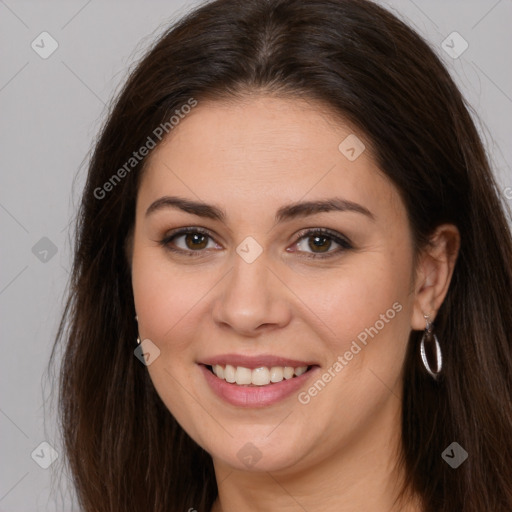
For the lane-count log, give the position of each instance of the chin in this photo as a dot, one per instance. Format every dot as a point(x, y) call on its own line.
point(247, 453)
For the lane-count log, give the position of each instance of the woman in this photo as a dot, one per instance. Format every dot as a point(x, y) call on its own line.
point(294, 262)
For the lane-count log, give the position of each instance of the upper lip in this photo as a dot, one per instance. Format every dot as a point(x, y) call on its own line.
point(252, 362)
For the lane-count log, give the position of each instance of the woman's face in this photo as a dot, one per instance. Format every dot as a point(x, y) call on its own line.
point(256, 290)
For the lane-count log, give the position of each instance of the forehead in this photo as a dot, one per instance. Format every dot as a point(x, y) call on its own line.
point(264, 151)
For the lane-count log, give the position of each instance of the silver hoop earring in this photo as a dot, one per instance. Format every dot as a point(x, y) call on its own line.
point(439, 356)
point(138, 337)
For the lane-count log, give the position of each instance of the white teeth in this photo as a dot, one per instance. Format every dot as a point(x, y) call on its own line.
point(288, 372)
point(300, 370)
point(261, 376)
point(243, 375)
point(229, 373)
point(219, 371)
point(276, 374)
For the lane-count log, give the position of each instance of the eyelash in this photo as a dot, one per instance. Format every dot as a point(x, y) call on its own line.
point(327, 233)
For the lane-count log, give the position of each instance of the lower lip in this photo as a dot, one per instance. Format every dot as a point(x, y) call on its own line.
point(255, 396)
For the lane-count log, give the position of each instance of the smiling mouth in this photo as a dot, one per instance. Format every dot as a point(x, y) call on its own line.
point(262, 376)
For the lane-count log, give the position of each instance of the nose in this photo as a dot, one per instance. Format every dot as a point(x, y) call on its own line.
point(251, 298)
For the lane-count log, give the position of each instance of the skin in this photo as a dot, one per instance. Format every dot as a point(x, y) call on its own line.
point(250, 157)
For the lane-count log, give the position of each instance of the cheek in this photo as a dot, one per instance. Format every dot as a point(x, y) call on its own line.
point(366, 310)
point(164, 297)
point(365, 326)
point(164, 301)
point(352, 300)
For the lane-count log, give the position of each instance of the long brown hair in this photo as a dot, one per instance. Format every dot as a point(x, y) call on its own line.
point(124, 449)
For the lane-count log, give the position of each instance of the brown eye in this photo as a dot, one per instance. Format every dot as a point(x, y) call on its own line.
point(195, 240)
point(319, 241)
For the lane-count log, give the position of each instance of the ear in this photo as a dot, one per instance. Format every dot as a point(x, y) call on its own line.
point(434, 273)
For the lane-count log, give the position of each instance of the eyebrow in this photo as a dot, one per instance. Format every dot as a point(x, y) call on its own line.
point(285, 213)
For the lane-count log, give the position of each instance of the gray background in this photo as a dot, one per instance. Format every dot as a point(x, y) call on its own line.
point(51, 110)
